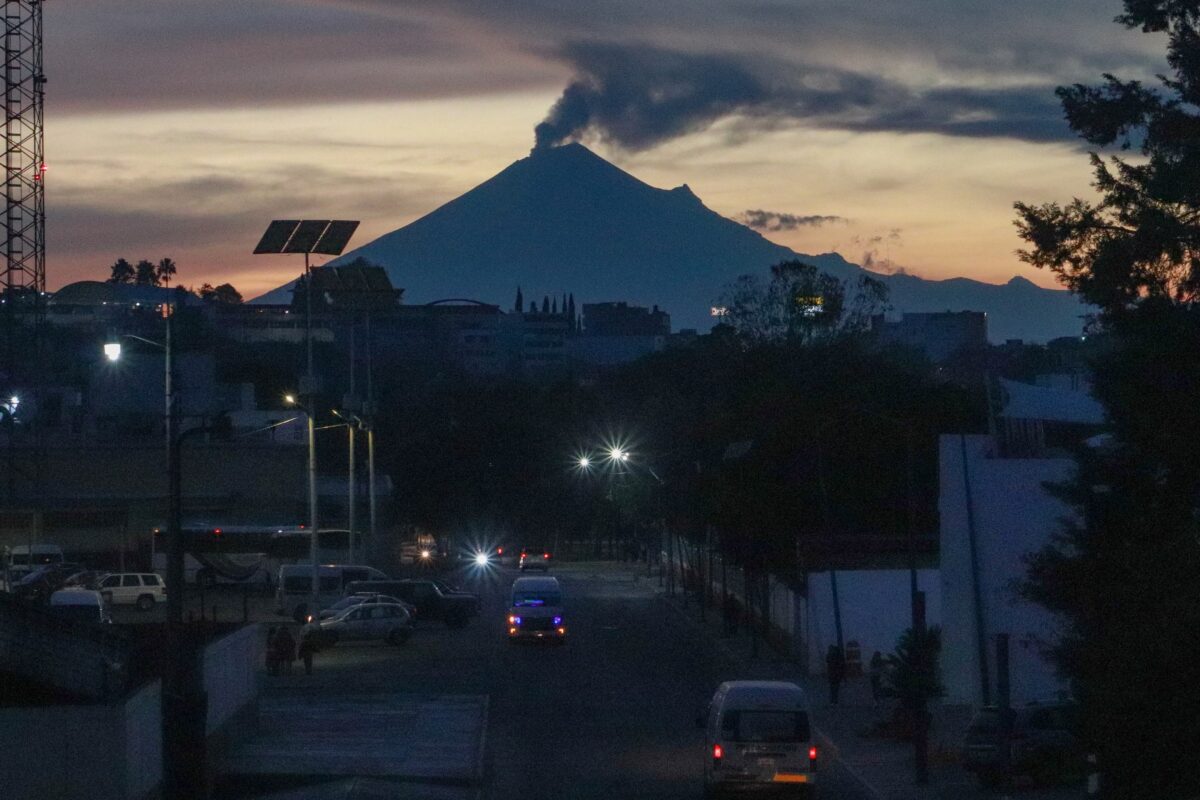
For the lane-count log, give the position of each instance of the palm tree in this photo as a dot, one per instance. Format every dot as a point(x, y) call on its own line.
point(165, 270)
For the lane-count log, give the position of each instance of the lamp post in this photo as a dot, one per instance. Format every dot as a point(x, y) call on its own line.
point(183, 703)
point(352, 423)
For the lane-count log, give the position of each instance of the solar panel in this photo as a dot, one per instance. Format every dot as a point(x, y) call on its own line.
point(337, 235)
point(276, 236)
point(308, 232)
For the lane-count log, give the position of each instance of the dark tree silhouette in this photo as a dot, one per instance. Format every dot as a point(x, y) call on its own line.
point(223, 293)
point(121, 272)
point(164, 271)
point(146, 273)
point(1122, 574)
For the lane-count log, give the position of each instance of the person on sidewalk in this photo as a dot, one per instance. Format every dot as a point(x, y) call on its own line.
point(285, 649)
point(835, 671)
point(308, 648)
point(876, 673)
point(272, 651)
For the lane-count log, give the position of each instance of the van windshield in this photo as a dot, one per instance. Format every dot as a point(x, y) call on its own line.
point(766, 726)
point(535, 599)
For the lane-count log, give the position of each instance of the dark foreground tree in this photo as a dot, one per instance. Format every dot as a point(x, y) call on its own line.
point(800, 304)
point(223, 293)
point(121, 272)
point(1122, 575)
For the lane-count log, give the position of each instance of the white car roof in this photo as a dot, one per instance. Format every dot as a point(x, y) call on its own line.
point(762, 694)
point(534, 584)
point(76, 597)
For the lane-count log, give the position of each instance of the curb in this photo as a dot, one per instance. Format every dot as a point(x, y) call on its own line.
point(824, 742)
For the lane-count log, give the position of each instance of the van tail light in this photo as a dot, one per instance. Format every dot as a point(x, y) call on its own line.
point(546, 555)
point(718, 754)
point(812, 754)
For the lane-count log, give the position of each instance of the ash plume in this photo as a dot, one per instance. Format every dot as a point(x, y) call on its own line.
point(637, 96)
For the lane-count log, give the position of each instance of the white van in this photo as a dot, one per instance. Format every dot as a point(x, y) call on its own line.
point(536, 611)
point(20, 564)
point(293, 591)
point(758, 736)
point(81, 605)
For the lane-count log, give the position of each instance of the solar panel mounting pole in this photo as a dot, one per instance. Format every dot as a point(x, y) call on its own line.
point(313, 551)
point(309, 236)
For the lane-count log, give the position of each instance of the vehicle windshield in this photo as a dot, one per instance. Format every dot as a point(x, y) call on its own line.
point(534, 599)
point(766, 726)
point(346, 602)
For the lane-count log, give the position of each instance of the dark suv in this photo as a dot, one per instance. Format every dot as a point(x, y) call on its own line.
point(1042, 743)
point(434, 600)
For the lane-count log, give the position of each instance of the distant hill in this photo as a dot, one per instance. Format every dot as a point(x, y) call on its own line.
point(565, 220)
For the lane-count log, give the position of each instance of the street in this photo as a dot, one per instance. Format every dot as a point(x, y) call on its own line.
point(610, 715)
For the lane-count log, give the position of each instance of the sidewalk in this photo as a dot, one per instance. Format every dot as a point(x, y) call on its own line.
point(884, 767)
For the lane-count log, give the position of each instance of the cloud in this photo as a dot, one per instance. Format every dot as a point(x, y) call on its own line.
point(638, 96)
point(761, 220)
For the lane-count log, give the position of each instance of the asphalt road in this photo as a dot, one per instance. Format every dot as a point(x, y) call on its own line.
point(609, 715)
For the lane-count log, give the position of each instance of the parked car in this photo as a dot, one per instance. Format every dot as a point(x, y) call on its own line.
point(1041, 744)
point(293, 591)
point(534, 559)
point(80, 605)
point(84, 579)
point(432, 603)
point(365, 622)
point(37, 586)
point(364, 597)
point(141, 589)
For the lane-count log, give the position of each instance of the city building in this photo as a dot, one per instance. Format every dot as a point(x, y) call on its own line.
point(939, 335)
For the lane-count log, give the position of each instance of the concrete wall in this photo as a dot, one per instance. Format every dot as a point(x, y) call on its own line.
point(876, 609)
point(1013, 515)
point(875, 606)
point(69, 752)
point(231, 669)
point(114, 751)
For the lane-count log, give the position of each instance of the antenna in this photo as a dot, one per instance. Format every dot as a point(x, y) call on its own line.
point(24, 155)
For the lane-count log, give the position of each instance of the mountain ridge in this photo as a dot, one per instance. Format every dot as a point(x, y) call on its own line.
point(564, 219)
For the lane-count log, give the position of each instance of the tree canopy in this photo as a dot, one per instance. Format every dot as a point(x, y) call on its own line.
point(1122, 573)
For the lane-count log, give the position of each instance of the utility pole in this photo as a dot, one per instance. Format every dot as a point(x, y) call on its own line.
point(311, 401)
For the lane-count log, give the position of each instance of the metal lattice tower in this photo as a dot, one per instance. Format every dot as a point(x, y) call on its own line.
point(24, 156)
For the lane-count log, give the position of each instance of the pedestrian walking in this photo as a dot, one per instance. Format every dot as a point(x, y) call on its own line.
point(308, 648)
point(835, 671)
point(272, 651)
point(876, 673)
point(285, 649)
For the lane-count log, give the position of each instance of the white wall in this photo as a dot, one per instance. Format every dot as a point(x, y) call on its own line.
point(876, 608)
point(1013, 515)
point(65, 752)
point(231, 669)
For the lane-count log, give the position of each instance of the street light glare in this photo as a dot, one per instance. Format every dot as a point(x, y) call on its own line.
point(112, 351)
point(585, 462)
point(290, 399)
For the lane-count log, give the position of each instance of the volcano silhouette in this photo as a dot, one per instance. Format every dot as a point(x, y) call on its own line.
point(565, 220)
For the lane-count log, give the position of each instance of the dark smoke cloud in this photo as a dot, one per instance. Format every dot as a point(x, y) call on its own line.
point(761, 220)
point(637, 96)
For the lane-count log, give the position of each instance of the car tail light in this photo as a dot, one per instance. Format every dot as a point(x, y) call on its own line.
point(546, 556)
point(718, 754)
point(812, 754)
point(499, 551)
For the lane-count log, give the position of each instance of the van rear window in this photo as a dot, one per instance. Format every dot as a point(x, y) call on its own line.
point(765, 726)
